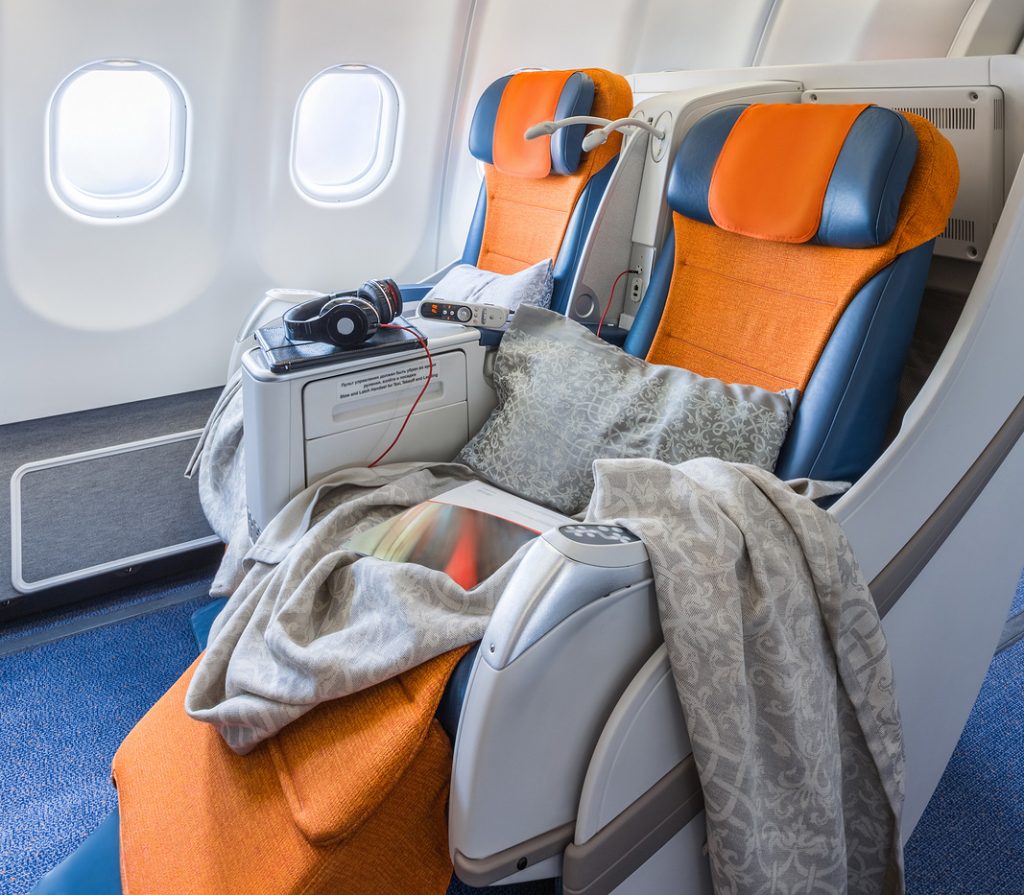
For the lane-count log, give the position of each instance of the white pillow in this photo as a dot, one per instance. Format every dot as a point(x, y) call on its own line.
point(467, 283)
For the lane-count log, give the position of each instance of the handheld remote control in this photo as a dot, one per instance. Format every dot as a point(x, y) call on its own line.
point(466, 313)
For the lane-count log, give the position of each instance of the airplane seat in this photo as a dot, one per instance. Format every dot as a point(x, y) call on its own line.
point(539, 197)
point(802, 235)
point(821, 298)
point(853, 330)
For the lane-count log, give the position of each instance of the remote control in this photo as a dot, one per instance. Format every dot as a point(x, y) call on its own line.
point(466, 313)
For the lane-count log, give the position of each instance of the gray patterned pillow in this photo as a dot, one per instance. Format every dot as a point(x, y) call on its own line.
point(464, 282)
point(566, 398)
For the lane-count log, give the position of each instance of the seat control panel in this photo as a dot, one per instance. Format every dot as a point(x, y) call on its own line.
point(466, 313)
point(598, 544)
point(589, 533)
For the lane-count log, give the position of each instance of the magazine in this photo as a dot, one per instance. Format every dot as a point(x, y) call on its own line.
point(468, 532)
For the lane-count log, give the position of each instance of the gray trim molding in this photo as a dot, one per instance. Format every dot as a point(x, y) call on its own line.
point(892, 582)
point(484, 871)
point(612, 855)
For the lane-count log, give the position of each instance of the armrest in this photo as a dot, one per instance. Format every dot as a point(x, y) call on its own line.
point(569, 568)
point(576, 622)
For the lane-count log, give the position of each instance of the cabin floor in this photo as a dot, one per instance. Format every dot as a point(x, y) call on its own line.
point(73, 683)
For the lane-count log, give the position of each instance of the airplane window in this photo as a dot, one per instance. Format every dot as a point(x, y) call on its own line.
point(117, 139)
point(343, 142)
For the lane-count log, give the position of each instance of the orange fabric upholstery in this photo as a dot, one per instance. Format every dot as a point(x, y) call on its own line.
point(350, 798)
point(525, 102)
point(770, 179)
point(760, 313)
point(527, 218)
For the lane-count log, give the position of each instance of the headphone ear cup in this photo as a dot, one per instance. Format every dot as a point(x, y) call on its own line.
point(350, 323)
point(385, 296)
point(394, 296)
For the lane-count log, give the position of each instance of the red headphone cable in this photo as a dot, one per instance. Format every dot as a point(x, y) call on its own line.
point(611, 295)
point(423, 391)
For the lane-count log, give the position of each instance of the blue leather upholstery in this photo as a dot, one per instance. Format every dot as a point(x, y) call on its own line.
point(94, 868)
point(475, 237)
point(690, 178)
point(645, 325)
point(576, 235)
point(576, 98)
point(862, 201)
point(202, 620)
point(844, 413)
point(481, 129)
point(449, 709)
point(863, 197)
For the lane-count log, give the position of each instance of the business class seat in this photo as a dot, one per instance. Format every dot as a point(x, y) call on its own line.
point(539, 197)
point(831, 315)
point(802, 239)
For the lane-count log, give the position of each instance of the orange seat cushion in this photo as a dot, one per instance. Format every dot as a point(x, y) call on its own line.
point(352, 798)
point(526, 218)
point(771, 176)
point(760, 313)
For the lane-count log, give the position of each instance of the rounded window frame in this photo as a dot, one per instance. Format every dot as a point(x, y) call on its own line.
point(125, 207)
point(378, 171)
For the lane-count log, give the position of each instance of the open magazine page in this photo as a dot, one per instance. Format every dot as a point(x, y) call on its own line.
point(468, 532)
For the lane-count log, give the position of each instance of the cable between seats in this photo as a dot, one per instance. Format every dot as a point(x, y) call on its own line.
point(611, 295)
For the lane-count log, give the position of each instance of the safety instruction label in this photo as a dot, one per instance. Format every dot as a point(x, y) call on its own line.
point(374, 382)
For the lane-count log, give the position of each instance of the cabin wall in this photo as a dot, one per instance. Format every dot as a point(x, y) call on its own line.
point(100, 315)
point(107, 313)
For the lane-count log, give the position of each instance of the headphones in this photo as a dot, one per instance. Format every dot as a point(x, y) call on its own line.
point(345, 319)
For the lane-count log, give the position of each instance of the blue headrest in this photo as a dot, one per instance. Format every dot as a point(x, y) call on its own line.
point(862, 201)
point(576, 98)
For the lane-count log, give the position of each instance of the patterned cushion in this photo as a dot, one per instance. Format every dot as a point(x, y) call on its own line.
point(567, 398)
point(464, 282)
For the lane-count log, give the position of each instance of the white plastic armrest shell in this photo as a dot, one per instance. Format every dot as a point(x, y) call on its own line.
point(575, 624)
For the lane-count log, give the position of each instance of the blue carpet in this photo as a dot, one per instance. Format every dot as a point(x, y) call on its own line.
point(1018, 599)
point(970, 840)
point(64, 709)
